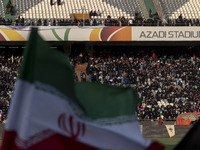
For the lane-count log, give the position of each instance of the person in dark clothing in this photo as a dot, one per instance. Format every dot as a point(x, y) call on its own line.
point(22, 21)
point(7, 8)
point(51, 2)
point(58, 2)
point(150, 12)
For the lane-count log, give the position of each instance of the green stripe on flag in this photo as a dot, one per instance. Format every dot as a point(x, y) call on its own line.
point(103, 101)
point(46, 65)
point(26, 70)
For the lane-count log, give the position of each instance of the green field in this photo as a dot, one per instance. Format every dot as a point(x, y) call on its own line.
point(169, 143)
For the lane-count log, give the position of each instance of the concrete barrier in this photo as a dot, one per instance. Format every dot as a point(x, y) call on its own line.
point(156, 131)
point(181, 130)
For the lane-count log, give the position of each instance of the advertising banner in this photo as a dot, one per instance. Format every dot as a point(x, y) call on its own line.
point(127, 33)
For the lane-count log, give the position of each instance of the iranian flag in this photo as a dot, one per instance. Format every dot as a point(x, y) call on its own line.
point(50, 111)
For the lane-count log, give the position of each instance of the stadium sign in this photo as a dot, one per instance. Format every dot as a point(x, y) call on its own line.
point(167, 34)
point(170, 34)
point(101, 33)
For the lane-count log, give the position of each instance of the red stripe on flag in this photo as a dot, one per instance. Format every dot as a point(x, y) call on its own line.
point(57, 141)
point(156, 146)
point(9, 141)
point(61, 142)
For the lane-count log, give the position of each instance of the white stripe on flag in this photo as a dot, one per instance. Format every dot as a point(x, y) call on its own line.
point(36, 111)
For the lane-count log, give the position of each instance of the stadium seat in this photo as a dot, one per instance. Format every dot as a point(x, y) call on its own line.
point(43, 9)
point(190, 9)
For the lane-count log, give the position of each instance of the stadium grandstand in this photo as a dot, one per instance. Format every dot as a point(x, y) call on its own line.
point(189, 9)
point(100, 12)
point(44, 10)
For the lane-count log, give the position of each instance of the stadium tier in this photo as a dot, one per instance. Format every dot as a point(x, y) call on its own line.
point(45, 10)
point(166, 78)
point(100, 12)
point(189, 9)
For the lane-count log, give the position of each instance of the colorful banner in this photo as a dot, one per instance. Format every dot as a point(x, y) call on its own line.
point(128, 33)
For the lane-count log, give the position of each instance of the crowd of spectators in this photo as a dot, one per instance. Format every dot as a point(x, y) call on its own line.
point(121, 21)
point(166, 80)
point(94, 13)
point(168, 83)
point(96, 20)
point(10, 22)
point(138, 20)
point(9, 64)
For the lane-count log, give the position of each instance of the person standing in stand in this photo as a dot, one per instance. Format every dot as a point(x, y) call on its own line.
point(51, 2)
point(160, 122)
point(150, 13)
point(58, 2)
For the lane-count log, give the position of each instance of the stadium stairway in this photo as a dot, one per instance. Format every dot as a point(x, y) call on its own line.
point(144, 9)
point(8, 16)
point(150, 5)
